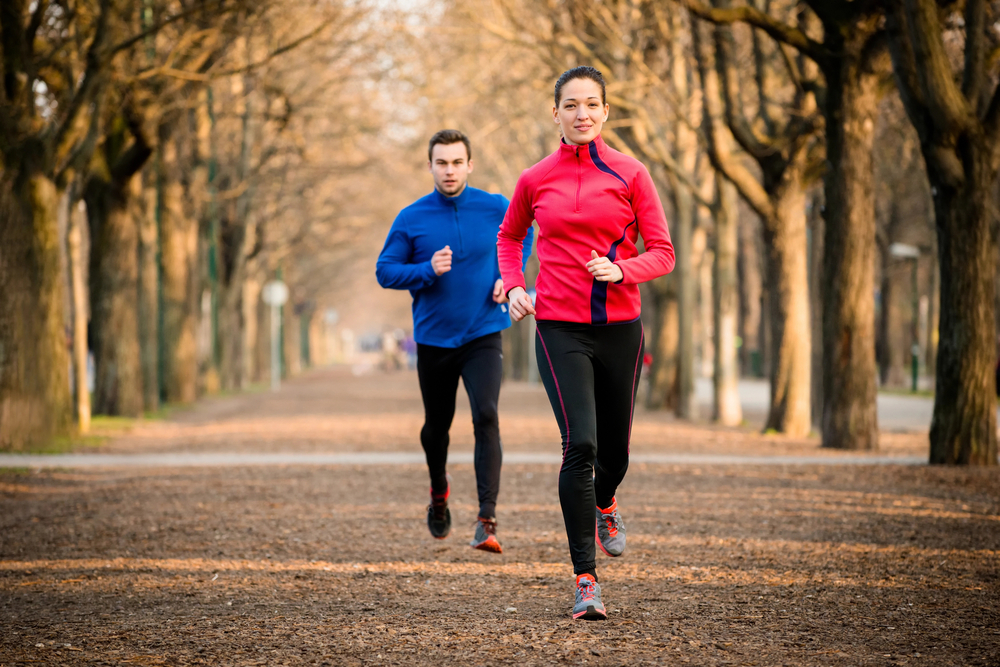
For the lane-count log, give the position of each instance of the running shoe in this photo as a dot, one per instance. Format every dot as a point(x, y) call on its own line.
point(610, 530)
point(485, 538)
point(438, 514)
point(588, 600)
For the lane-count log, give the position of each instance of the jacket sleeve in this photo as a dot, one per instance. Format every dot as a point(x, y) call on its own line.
point(394, 269)
point(513, 241)
point(658, 259)
point(526, 247)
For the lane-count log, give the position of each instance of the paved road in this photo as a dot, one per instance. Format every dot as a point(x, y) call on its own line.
point(197, 459)
point(895, 412)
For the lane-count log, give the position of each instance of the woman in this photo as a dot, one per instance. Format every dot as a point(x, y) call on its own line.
point(591, 204)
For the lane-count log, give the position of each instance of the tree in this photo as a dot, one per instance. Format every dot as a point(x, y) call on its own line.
point(784, 150)
point(51, 65)
point(957, 117)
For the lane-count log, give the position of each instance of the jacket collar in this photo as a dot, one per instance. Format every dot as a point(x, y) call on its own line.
point(597, 143)
point(460, 200)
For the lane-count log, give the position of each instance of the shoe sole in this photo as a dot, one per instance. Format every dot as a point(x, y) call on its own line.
point(592, 614)
point(491, 547)
point(597, 538)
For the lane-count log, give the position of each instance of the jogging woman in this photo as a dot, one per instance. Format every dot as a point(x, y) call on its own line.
point(591, 204)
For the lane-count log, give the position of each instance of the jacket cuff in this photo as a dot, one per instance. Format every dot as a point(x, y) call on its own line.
point(519, 283)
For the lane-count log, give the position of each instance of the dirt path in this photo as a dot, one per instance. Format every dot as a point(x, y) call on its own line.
point(798, 564)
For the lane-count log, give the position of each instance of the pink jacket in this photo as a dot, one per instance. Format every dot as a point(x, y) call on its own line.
point(586, 198)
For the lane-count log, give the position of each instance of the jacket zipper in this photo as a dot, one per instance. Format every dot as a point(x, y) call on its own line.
point(458, 228)
point(579, 178)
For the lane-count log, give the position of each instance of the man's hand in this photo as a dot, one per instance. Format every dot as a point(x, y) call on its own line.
point(604, 269)
point(498, 293)
point(520, 304)
point(441, 261)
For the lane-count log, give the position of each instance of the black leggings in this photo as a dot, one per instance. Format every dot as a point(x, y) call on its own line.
point(480, 365)
point(591, 374)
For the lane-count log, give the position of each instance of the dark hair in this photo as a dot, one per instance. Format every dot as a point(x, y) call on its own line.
point(447, 137)
point(583, 72)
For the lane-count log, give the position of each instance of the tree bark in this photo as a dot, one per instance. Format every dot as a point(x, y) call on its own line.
point(178, 256)
point(684, 212)
point(80, 311)
point(662, 392)
point(850, 415)
point(114, 291)
point(147, 203)
point(788, 287)
point(964, 428)
point(750, 284)
point(725, 307)
point(35, 401)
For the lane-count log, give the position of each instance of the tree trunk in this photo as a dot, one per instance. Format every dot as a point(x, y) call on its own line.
point(686, 155)
point(725, 306)
point(149, 289)
point(750, 285)
point(815, 238)
point(963, 428)
point(788, 287)
point(178, 256)
point(850, 415)
point(662, 391)
point(114, 279)
point(79, 299)
point(35, 401)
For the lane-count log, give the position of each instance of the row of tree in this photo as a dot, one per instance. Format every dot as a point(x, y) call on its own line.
point(158, 161)
point(788, 107)
point(217, 144)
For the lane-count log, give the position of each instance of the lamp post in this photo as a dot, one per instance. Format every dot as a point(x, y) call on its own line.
point(275, 294)
point(905, 251)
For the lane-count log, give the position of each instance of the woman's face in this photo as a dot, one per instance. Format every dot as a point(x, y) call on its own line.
point(580, 114)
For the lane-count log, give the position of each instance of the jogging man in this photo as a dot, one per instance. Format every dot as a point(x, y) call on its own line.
point(442, 248)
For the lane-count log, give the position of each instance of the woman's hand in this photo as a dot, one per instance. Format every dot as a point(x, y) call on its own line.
point(604, 269)
point(520, 304)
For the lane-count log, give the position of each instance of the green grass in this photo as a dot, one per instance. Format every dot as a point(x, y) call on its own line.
point(899, 391)
point(15, 472)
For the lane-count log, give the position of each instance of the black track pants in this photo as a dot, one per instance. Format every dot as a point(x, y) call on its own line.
point(591, 374)
point(480, 365)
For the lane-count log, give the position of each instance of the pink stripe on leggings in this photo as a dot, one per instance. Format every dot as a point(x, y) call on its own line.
point(635, 376)
point(559, 393)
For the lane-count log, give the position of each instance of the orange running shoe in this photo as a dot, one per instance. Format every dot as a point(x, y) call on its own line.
point(610, 530)
point(438, 514)
point(588, 600)
point(486, 536)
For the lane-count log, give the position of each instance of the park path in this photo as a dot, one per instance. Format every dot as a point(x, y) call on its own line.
point(744, 549)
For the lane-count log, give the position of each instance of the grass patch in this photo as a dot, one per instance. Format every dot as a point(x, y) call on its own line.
point(15, 472)
point(68, 443)
point(899, 391)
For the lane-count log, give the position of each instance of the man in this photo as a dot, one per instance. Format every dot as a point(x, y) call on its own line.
point(443, 249)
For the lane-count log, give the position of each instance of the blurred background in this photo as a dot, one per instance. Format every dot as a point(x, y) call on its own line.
point(163, 160)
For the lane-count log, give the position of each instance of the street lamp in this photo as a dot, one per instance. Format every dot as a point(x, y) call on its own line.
point(906, 251)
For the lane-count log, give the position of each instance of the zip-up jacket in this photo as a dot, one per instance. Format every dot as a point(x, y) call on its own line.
point(586, 198)
point(456, 307)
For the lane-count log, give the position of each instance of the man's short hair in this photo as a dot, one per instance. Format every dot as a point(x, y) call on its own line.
point(446, 138)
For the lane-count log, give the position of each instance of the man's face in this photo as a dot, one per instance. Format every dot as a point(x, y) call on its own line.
point(451, 166)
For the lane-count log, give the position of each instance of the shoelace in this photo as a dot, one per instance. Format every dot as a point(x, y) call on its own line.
point(612, 521)
point(586, 588)
point(439, 506)
point(489, 526)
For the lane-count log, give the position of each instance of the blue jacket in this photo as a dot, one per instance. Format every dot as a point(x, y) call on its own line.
point(456, 307)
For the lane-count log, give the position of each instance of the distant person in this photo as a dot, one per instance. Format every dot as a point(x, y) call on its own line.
point(591, 204)
point(443, 249)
